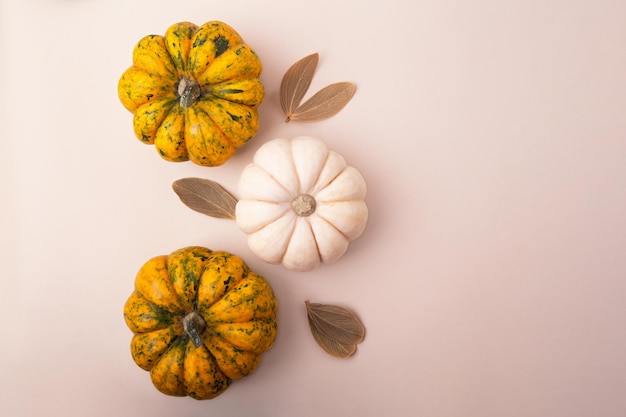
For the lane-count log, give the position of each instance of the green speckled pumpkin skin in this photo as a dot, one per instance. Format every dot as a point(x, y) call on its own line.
point(194, 92)
point(235, 310)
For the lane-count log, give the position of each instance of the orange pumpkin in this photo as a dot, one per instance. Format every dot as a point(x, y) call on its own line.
point(200, 319)
point(194, 92)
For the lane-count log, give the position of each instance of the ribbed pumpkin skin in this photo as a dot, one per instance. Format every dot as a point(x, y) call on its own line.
point(300, 203)
point(237, 309)
point(194, 92)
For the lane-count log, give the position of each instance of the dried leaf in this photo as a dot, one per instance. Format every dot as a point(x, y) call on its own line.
point(336, 329)
point(325, 103)
point(206, 196)
point(296, 82)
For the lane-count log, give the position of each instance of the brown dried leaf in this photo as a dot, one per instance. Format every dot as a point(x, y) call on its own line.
point(325, 103)
point(336, 329)
point(206, 196)
point(296, 82)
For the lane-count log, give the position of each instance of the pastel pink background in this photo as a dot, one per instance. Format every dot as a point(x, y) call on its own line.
point(491, 277)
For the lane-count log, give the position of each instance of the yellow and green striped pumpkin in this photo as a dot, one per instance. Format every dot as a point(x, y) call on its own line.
point(200, 319)
point(194, 92)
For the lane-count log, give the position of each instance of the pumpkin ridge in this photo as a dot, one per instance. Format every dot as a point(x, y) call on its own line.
point(288, 239)
point(307, 164)
point(340, 200)
point(143, 316)
point(322, 218)
point(265, 178)
point(219, 349)
point(229, 89)
point(338, 208)
point(178, 40)
point(151, 55)
point(316, 240)
point(348, 186)
point(233, 306)
point(143, 117)
point(211, 146)
point(203, 308)
point(218, 36)
point(204, 98)
point(313, 190)
point(203, 373)
point(137, 86)
point(168, 141)
point(280, 184)
point(268, 220)
point(185, 268)
point(237, 121)
point(291, 239)
point(161, 378)
point(156, 288)
point(320, 187)
point(294, 168)
point(147, 348)
point(236, 63)
point(257, 241)
point(181, 302)
point(255, 329)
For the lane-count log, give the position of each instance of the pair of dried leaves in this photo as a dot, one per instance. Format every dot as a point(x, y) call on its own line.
point(336, 329)
point(324, 104)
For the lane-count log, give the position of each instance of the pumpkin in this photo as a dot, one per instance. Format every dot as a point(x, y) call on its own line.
point(194, 92)
point(200, 319)
point(300, 204)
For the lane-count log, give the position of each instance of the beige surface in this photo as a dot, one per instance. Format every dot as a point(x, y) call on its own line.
point(491, 278)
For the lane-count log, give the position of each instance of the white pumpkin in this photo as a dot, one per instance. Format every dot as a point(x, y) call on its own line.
point(300, 203)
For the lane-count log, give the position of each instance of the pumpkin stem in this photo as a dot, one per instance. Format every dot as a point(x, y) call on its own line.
point(194, 325)
point(188, 91)
point(304, 205)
